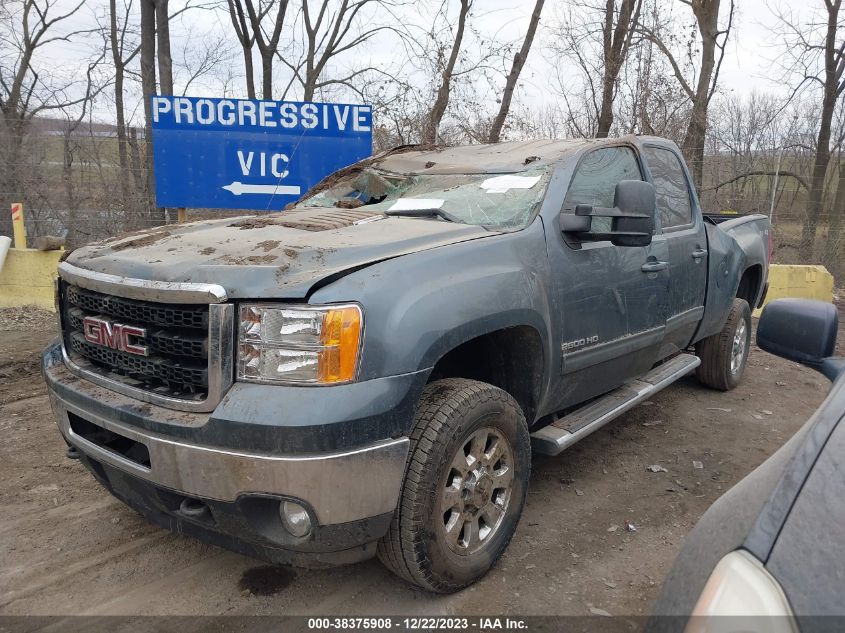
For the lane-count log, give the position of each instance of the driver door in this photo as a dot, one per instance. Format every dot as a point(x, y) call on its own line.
point(611, 301)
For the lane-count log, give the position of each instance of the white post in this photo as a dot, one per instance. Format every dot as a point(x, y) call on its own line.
point(5, 245)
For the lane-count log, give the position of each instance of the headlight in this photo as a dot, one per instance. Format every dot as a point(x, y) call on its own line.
point(299, 344)
point(741, 586)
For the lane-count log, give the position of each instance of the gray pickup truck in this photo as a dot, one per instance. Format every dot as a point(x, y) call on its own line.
point(367, 372)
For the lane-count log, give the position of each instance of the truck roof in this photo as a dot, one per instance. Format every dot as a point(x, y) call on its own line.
point(514, 156)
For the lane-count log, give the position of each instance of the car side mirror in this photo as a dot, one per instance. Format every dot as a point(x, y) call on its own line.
point(632, 216)
point(803, 331)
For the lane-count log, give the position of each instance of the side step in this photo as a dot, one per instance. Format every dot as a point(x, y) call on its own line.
point(564, 432)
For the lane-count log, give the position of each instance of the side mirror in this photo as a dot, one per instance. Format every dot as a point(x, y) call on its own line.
point(632, 216)
point(803, 331)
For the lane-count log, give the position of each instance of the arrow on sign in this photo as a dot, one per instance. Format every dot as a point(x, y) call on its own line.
point(238, 188)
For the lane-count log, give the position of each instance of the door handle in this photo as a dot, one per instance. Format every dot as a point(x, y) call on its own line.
point(653, 267)
point(699, 253)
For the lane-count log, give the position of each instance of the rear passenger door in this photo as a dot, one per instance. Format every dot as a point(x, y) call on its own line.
point(683, 228)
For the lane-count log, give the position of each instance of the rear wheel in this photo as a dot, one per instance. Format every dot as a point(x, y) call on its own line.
point(724, 355)
point(464, 489)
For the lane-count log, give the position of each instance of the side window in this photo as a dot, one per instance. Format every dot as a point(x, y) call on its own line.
point(595, 178)
point(670, 187)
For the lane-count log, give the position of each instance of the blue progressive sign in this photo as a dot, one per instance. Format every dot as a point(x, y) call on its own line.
point(245, 154)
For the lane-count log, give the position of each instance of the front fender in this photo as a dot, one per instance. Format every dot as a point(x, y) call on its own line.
point(420, 306)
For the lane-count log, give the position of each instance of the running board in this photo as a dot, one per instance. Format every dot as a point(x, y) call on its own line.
point(564, 432)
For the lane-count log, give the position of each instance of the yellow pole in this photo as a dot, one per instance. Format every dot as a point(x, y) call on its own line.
point(18, 225)
point(181, 215)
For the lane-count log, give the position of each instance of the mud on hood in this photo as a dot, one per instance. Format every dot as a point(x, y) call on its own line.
point(279, 255)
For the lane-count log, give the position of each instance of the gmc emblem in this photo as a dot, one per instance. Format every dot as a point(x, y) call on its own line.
point(114, 335)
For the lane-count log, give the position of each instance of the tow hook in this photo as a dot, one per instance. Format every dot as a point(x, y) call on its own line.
point(72, 453)
point(194, 508)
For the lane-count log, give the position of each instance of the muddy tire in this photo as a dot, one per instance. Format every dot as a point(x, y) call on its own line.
point(464, 489)
point(724, 355)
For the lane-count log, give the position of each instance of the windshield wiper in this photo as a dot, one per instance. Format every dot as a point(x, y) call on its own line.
point(422, 213)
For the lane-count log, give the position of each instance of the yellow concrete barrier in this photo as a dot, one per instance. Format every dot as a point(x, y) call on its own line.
point(27, 278)
point(803, 282)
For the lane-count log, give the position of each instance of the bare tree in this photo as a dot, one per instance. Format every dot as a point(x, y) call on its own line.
point(616, 42)
point(210, 58)
point(651, 102)
point(123, 51)
point(328, 31)
point(70, 146)
point(835, 243)
point(249, 18)
point(815, 55)
point(435, 75)
point(155, 50)
point(700, 91)
point(28, 26)
point(165, 59)
point(441, 100)
point(513, 76)
point(148, 89)
point(246, 40)
point(597, 38)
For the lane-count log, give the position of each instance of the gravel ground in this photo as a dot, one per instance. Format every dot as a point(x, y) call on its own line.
point(70, 548)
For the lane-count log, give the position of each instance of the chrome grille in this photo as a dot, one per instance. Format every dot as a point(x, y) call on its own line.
point(159, 340)
point(189, 316)
point(177, 339)
point(169, 372)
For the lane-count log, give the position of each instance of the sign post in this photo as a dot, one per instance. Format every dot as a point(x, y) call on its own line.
point(18, 226)
point(248, 154)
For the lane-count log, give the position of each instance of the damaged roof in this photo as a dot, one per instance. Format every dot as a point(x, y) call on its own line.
point(508, 157)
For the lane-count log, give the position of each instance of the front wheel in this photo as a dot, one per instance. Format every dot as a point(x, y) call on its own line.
point(724, 355)
point(464, 489)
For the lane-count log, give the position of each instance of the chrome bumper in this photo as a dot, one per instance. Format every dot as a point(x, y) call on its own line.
point(339, 487)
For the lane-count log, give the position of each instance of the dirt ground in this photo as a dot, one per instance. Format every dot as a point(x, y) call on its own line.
point(67, 547)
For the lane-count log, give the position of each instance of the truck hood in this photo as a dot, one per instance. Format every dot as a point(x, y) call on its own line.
point(279, 255)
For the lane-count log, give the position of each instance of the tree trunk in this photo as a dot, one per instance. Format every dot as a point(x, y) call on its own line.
point(120, 117)
point(165, 60)
point(267, 75)
point(138, 212)
point(616, 44)
point(441, 101)
point(815, 199)
point(250, 80)
point(73, 219)
point(834, 246)
point(707, 17)
point(513, 76)
point(267, 46)
point(148, 88)
point(239, 23)
point(833, 72)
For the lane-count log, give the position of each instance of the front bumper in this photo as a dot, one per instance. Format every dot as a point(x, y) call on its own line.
point(350, 493)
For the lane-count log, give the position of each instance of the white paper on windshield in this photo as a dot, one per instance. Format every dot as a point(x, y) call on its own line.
point(501, 184)
point(416, 204)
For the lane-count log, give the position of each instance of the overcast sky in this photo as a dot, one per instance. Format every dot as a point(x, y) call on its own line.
point(747, 66)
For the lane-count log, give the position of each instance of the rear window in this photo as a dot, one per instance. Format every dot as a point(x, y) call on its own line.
point(670, 187)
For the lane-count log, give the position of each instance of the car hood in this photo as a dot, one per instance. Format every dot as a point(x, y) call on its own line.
point(278, 255)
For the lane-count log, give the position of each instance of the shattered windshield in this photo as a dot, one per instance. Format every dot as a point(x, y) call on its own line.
point(499, 201)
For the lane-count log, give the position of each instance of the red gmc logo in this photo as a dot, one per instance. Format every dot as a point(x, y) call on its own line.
point(114, 335)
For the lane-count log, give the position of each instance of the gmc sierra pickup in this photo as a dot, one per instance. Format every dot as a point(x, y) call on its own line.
point(367, 372)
